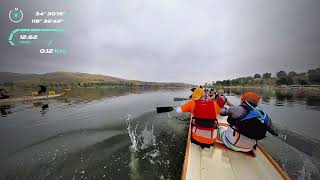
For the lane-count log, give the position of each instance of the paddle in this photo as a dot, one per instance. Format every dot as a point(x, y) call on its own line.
point(164, 109)
point(180, 99)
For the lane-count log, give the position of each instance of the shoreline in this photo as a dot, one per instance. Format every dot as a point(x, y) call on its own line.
point(313, 87)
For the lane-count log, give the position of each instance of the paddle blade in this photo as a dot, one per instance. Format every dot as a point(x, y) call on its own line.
point(179, 99)
point(164, 109)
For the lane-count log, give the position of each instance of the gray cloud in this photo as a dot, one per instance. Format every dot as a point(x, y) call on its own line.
point(175, 40)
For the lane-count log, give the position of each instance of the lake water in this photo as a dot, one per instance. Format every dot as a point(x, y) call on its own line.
point(116, 134)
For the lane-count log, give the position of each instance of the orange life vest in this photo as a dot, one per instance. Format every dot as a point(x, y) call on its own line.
point(204, 123)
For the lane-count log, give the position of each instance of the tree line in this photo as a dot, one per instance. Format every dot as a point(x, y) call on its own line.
point(312, 77)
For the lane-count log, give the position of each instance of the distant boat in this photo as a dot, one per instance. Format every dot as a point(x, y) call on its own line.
point(30, 98)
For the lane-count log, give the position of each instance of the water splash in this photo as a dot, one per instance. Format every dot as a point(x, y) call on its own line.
point(140, 140)
point(143, 139)
point(169, 116)
point(147, 136)
point(132, 134)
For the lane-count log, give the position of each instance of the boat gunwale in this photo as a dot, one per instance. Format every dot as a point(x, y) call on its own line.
point(186, 157)
point(283, 174)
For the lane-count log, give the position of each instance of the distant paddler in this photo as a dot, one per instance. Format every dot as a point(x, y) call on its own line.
point(4, 94)
point(42, 90)
point(221, 99)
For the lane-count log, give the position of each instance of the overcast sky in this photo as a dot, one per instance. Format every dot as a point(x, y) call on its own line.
point(172, 40)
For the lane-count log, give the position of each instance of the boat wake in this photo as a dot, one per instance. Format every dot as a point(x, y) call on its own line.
point(308, 169)
point(301, 162)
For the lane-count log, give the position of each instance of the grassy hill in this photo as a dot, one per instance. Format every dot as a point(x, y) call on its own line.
point(74, 79)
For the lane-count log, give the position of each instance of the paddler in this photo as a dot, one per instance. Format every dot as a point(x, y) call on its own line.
point(4, 94)
point(192, 90)
point(204, 123)
point(42, 89)
point(221, 99)
point(211, 95)
point(247, 124)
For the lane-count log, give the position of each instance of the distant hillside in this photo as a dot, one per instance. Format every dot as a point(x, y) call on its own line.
point(72, 79)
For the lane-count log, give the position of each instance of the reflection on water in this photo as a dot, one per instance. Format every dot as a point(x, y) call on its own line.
point(283, 97)
point(94, 94)
point(93, 134)
point(313, 101)
point(5, 110)
point(116, 134)
point(42, 105)
point(80, 96)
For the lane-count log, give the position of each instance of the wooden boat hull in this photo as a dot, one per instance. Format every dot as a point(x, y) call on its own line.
point(221, 163)
point(28, 98)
